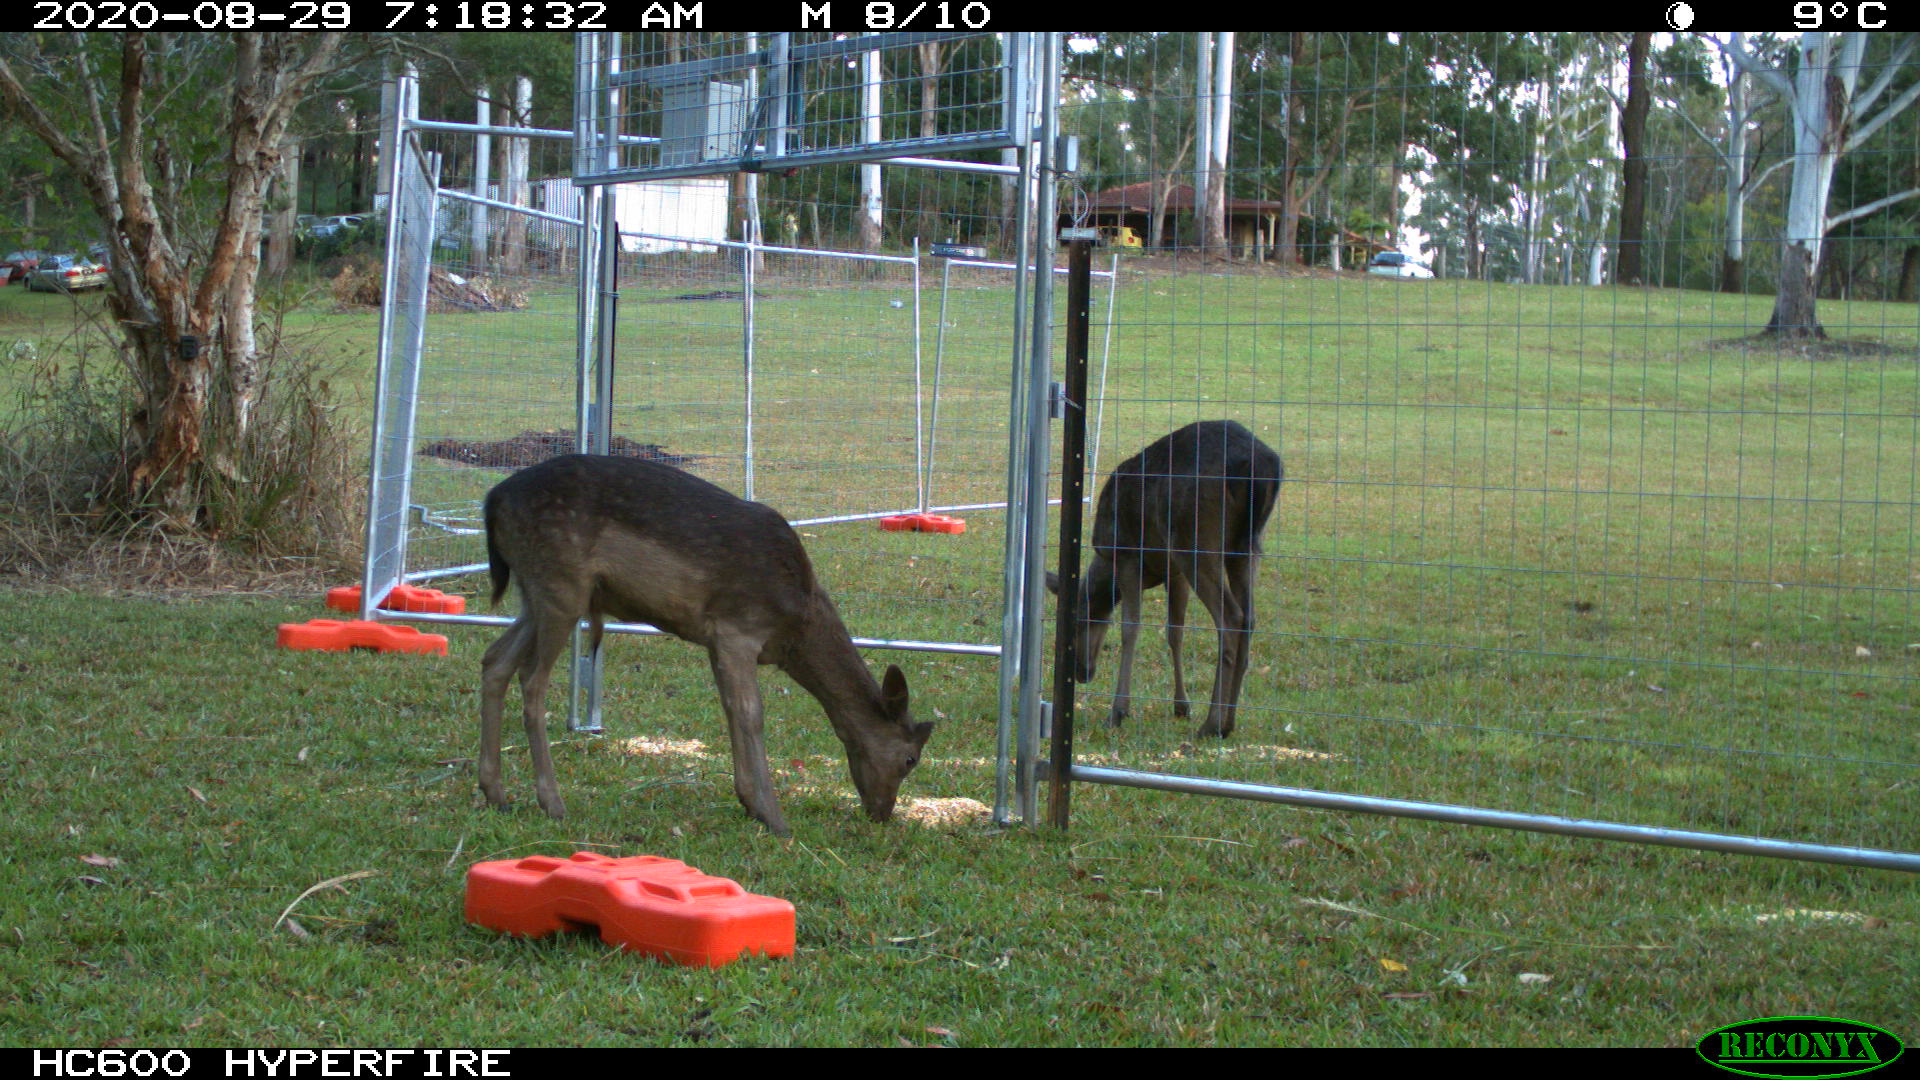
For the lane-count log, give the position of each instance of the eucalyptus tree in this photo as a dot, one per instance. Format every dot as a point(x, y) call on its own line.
point(1837, 90)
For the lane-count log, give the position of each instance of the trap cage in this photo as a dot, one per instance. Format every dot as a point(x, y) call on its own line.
point(1551, 553)
point(639, 284)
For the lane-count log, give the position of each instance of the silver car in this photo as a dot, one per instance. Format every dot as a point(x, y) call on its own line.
point(67, 273)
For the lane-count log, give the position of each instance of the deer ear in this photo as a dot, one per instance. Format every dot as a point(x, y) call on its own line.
point(893, 692)
point(1053, 583)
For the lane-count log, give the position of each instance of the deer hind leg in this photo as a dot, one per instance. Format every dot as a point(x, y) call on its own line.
point(502, 659)
point(1242, 572)
point(551, 634)
point(1127, 580)
point(735, 663)
point(1211, 582)
point(1176, 636)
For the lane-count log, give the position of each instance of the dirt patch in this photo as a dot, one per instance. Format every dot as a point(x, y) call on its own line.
point(1816, 348)
point(533, 447)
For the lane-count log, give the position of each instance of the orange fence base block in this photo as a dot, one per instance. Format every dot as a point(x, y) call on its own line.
point(333, 635)
point(646, 904)
point(933, 523)
point(400, 598)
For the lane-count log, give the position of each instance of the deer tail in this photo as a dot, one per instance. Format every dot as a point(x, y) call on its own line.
point(497, 567)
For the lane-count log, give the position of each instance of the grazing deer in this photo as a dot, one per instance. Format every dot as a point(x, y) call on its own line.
point(1186, 511)
point(613, 537)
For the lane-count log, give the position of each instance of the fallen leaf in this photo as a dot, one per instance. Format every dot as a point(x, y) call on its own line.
point(91, 881)
point(1534, 978)
point(1862, 652)
point(105, 862)
point(940, 1031)
point(195, 792)
point(1392, 965)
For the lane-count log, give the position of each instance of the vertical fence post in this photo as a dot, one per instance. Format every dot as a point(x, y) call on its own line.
point(1073, 477)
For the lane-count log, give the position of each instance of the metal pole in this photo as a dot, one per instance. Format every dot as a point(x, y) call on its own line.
point(1503, 819)
point(1013, 573)
point(939, 359)
point(1073, 476)
point(1038, 392)
point(1106, 354)
point(919, 429)
point(748, 256)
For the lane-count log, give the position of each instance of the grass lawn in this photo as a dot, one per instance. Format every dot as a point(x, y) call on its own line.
point(1551, 549)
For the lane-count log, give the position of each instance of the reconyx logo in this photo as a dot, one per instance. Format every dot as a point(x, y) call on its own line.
point(1799, 1047)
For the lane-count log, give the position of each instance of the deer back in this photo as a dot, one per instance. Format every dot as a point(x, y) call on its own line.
point(1208, 487)
point(646, 542)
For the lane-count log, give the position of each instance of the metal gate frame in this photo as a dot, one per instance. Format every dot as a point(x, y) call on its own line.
point(410, 209)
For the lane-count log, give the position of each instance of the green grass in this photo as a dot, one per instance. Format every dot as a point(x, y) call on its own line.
point(226, 777)
point(1544, 549)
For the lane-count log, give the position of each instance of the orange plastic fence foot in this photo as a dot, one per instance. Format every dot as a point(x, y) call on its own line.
point(933, 523)
point(400, 598)
point(645, 903)
point(334, 635)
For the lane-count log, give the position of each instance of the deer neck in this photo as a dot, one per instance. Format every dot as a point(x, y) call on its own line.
point(824, 662)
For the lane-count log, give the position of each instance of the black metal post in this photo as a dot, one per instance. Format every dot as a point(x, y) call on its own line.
point(1073, 484)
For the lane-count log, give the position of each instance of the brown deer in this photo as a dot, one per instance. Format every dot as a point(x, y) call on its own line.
point(613, 537)
point(1186, 512)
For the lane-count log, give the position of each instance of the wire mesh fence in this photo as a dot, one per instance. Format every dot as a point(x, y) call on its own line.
point(1546, 542)
point(1569, 525)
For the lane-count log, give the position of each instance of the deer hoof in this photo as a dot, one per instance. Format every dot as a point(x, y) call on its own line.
point(1182, 710)
point(1116, 716)
point(1211, 730)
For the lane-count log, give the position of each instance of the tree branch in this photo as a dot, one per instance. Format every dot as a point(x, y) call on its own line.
point(1753, 66)
point(1879, 119)
point(1873, 207)
point(1866, 98)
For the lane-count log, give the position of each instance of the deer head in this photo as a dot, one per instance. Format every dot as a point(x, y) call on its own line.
point(884, 746)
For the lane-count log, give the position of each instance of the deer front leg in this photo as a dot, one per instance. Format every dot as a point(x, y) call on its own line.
point(735, 672)
point(1176, 636)
point(502, 658)
point(1129, 583)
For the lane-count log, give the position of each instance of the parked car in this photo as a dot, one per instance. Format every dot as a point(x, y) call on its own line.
point(17, 265)
point(1394, 264)
point(329, 226)
point(66, 273)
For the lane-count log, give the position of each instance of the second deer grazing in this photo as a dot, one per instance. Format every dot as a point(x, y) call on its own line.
point(1186, 512)
point(604, 537)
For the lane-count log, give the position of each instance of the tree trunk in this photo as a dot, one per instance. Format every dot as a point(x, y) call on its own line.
point(1733, 274)
point(1221, 118)
point(1908, 291)
point(871, 197)
point(1633, 135)
point(286, 202)
point(1793, 308)
point(932, 63)
point(1733, 256)
point(513, 240)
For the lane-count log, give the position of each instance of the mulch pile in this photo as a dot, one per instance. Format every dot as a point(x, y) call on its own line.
point(533, 447)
